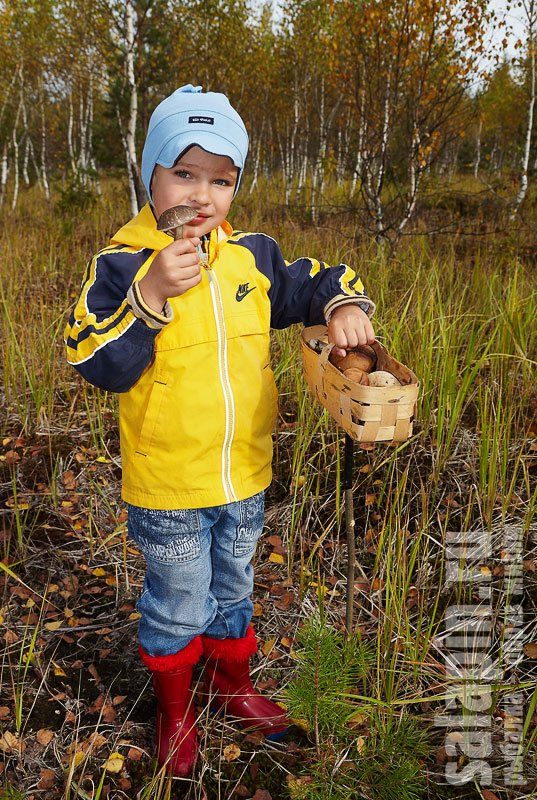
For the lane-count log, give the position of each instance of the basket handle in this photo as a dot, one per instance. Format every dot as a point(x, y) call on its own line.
point(325, 354)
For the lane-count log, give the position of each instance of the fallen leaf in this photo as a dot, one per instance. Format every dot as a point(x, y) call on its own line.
point(530, 649)
point(78, 757)
point(370, 499)
point(92, 669)
point(300, 723)
point(285, 601)
point(296, 785)
point(488, 795)
point(258, 609)
point(4, 712)
point(69, 480)
point(268, 646)
point(276, 558)
point(241, 791)
point(47, 777)
point(231, 752)
point(9, 743)
point(114, 763)
point(44, 736)
point(357, 720)
point(134, 753)
point(255, 737)
point(262, 794)
point(109, 713)
point(53, 626)
point(95, 741)
point(118, 699)
point(98, 572)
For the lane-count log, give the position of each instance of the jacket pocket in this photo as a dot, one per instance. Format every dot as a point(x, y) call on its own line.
point(151, 416)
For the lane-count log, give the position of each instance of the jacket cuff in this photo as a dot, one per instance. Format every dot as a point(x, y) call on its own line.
point(361, 300)
point(141, 310)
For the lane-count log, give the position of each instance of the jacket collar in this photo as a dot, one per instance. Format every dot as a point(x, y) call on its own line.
point(142, 232)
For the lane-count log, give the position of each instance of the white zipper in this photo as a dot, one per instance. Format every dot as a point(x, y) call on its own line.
point(226, 385)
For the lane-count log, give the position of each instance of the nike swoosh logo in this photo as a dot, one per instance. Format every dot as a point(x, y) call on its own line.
point(241, 295)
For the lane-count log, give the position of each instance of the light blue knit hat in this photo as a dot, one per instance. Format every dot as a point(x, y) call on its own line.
point(190, 116)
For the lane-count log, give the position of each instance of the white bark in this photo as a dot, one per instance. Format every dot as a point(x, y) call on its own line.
point(43, 170)
point(70, 147)
point(477, 159)
point(3, 175)
point(530, 11)
point(25, 159)
point(15, 143)
point(130, 133)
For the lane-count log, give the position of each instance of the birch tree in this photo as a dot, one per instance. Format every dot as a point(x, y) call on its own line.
point(529, 8)
point(409, 64)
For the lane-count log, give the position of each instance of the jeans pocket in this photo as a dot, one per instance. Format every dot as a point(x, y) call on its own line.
point(168, 537)
point(250, 526)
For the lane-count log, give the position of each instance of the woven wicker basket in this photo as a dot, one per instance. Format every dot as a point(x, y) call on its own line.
point(366, 413)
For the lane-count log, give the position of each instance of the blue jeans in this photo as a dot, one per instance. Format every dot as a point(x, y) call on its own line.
point(199, 574)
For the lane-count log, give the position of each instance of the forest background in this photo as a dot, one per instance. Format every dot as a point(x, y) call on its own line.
point(397, 137)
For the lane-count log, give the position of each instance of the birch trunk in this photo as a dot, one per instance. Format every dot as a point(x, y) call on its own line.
point(3, 176)
point(529, 8)
point(15, 142)
point(70, 147)
point(477, 159)
point(257, 159)
point(361, 133)
point(43, 170)
point(136, 189)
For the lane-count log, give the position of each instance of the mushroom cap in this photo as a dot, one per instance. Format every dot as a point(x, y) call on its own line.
point(383, 378)
point(174, 217)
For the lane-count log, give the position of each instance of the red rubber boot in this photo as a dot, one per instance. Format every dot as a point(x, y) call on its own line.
point(177, 741)
point(228, 684)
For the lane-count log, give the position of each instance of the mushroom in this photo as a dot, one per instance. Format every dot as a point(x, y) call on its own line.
point(362, 357)
point(382, 378)
point(174, 218)
point(357, 375)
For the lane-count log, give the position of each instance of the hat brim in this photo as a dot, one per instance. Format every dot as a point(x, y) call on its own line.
point(215, 144)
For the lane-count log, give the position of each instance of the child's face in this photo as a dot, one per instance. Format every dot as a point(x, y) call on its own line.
point(201, 180)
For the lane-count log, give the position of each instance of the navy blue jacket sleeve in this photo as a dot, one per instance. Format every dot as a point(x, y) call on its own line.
point(105, 342)
point(300, 290)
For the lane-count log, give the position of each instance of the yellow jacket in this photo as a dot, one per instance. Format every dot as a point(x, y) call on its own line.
point(198, 399)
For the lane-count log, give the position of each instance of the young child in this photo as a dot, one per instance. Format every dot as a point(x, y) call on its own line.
point(187, 346)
